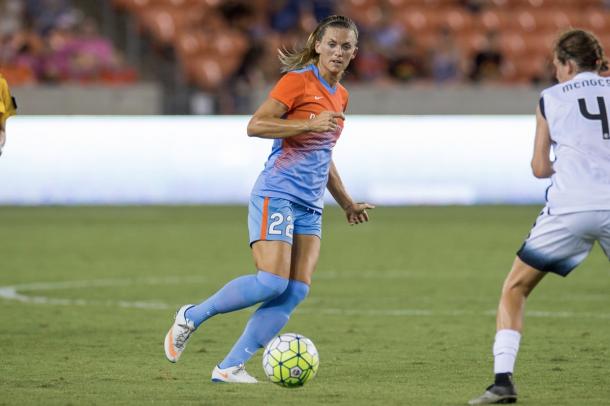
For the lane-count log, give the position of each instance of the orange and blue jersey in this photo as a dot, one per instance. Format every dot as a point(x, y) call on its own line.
point(297, 168)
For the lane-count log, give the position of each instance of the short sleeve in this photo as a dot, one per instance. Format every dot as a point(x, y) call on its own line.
point(288, 89)
point(541, 105)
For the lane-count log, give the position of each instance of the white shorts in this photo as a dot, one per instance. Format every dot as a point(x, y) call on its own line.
point(559, 243)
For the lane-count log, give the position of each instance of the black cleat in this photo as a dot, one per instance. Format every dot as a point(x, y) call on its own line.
point(495, 394)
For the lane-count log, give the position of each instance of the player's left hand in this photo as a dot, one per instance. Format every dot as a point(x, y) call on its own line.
point(356, 213)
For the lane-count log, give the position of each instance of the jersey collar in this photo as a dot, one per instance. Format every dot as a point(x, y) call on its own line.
point(312, 67)
point(584, 74)
point(328, 87)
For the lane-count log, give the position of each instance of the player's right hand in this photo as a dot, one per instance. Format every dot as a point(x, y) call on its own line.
point(326, 121)
point(2, 139)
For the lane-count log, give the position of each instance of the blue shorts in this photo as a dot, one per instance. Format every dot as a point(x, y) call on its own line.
point(276, 219)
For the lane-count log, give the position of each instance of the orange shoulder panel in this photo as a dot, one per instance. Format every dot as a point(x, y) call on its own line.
point(289, 88)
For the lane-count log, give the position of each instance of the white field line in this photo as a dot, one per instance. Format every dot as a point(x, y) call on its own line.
point(451, 313)
point(15, 293)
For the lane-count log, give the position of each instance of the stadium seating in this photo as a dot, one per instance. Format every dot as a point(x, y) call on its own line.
point(210, 51)
point(55, 45)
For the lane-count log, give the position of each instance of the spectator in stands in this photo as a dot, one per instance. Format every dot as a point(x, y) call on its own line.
point(387, 33)
point(546, 75)
point(474, 6)
point(58, 48)
point(76, 51)
point(20, 53)
point(11, 16)
point(445, 59)
point(61, 45)
point(487, 61)
point(322, 8)
point(44, 14)
point(285, 14)
point(19, 47)
point(406, 64)
point(369, 65)
point(90, 54)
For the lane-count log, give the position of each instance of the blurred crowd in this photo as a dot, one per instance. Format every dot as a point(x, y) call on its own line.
point(388, 53)
point(51, 41)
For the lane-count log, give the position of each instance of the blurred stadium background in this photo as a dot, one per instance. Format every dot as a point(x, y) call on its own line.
point(162, 90)
point(219, 56)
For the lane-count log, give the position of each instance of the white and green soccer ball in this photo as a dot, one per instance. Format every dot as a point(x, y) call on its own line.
point(290, 360)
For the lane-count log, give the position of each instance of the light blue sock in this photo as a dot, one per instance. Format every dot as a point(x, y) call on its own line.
point(265, 323)
point(237, 294)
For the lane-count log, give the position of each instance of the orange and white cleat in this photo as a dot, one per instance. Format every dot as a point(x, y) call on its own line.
point(235, 374)
point(178, 335)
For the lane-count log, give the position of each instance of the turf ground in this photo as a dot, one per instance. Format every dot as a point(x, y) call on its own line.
point(401, 310)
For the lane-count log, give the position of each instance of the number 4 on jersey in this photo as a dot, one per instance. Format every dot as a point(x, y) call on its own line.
point(601, 116)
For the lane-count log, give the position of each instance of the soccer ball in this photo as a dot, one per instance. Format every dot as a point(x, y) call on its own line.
point(290, 360)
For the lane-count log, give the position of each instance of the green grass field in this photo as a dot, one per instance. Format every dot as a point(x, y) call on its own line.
point(401, 309)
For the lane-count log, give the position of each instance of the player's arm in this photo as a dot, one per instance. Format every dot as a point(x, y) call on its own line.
point(2, 119)
point(2, 136)
point(542, 166)
point(267, 122)
point(355, 212)
point(8, 107)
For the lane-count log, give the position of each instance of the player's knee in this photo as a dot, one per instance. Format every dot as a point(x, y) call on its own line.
point(298, 291)
point(517, 287)
point(272, 285)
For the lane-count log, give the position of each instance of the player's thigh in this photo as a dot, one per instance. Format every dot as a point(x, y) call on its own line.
point(558, 243)
point(306, 246)
point(270, 226)
point(273, 257)
point(305, 254)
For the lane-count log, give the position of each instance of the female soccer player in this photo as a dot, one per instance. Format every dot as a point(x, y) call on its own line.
point(304, 114)
point(7, 109)
point(572, 117)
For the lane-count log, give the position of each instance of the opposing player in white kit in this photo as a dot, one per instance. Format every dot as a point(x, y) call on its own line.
point(572, 117)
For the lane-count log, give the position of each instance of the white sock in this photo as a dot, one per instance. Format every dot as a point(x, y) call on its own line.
point(505, 350)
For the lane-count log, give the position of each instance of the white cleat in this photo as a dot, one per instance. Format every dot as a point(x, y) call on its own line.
point(236, 374)
point(178, 335)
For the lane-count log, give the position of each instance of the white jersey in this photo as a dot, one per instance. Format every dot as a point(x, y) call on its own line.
point(577, 114)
